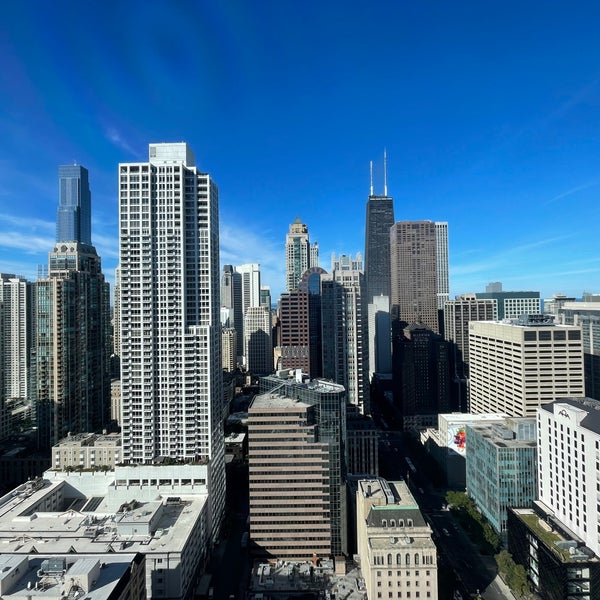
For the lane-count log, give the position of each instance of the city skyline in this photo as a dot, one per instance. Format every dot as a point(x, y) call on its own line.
point(487, 115)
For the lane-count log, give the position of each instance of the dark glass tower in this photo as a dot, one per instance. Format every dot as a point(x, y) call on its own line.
point(379, 220)
point(74, 214)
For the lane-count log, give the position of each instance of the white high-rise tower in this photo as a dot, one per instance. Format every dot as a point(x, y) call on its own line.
point(170, 315)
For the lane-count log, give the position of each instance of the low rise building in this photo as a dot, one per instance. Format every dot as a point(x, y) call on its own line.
point(397, 555)
point(87, 451)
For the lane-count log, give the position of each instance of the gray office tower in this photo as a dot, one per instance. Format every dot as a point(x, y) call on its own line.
point(74, 213)
point(379, 219)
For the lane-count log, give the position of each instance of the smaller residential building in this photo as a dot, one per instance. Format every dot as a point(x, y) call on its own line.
point(501, 467)
point(557, 564)
point(397, 555)
point(87, 451)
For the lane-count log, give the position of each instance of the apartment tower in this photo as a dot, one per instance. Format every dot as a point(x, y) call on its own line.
point(171, 363)
point(71, 347)
point(299, 254)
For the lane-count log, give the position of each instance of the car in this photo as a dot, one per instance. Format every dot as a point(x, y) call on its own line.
point(445, 531)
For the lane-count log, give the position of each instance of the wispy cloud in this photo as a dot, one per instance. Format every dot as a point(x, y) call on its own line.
point(506, 256)
point(575, 190)
point(240, 245)
point(115, 137)
point(26, 243)
point(28, 223)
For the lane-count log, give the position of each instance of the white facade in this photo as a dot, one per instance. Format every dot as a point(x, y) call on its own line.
point(441, 245)
point(568, 459)
point(380, 336)
point(299, 254)
point(171, 377)
point(250, 284)
point(514, 368)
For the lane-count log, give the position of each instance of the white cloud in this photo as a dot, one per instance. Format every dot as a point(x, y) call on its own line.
point(115, 137)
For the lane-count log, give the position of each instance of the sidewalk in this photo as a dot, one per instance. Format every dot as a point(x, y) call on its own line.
point(503, 587)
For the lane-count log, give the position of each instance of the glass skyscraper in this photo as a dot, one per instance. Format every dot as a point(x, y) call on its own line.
point(74, 214)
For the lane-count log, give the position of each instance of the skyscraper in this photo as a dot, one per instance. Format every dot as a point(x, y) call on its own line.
point(15, 345)
point(258, 344)
point(170, 328)
point(299, 254)
point(296, 455)
point(231, 304)
point(250, 274)
point(74, 215)
point(71, 344)
point(345, 341)
point(414, 273)
point(379, 219)
point(441, 245)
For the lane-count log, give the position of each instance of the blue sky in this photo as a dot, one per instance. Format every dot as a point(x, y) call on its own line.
point(489, 111)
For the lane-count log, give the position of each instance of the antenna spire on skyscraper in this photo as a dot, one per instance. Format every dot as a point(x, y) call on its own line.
point(371, 172)
point(385, 172)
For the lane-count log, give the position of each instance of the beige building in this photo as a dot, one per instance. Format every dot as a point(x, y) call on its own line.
point(87, 451)
point(398, 558)
point(413, 261)
point(229, 349)
point(517, 365)
point(289, 479)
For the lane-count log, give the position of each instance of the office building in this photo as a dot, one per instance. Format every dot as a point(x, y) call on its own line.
point(414, 290)
point(515, 366)
point(511, 305)
point(587, 316)
point(345, 262)
point(229, 349)
point(299, 254)
point(15, 348)
point(265, 296)
point(71, 343)
point(345, 340)
point(556, 540)
point(51, 577)
point(397, 555)
point(362, 443)
point(171, 366)
point(421, 375)
point(100, 517)
point(501, 467)
point(74, 213)
point(441, 245)
point(380, 336)
point(294, 331)
point(296, 456)
point(553, 305)
point(232, 312)
point(379, 218)
point(250, 285)
point(258, 344)
point(457, 315)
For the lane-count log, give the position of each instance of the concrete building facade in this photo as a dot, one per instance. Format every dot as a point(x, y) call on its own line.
point(397, 554)
point(515, 366)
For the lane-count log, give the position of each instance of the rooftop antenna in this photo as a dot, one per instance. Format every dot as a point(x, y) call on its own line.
point(385, 172)
point(371, 169)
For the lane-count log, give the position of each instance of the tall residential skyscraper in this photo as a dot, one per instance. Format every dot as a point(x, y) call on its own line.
point(74, 215)
point(414, 273)
point(299, 254)
point(71, 344)
point(515, 366)
point(345, 342)
point(231, 304)
point(170, 328)
point(15, 346)
point(441, 245)
point(379, 219)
